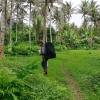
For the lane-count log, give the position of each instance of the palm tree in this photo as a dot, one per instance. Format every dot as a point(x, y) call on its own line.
point(37, 24)
point(2, 35)
point(67, 10)
point(20, 13)
point(17, 7)
point(50, 10)
point(36, 18)
point(45, 9)
point(57, 19)
point(30, 8)
point(84, 9)
point(94, 11)
point(45, 12)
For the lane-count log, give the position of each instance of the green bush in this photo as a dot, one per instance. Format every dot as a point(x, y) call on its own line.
point(7, 78)
point(12, 86)
point(21, 50)
point(60, 47)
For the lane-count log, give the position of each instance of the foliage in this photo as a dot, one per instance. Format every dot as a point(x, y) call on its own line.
point(37, 26)
point(95, 83)
point(23, 83)
point(12, 86)
point(22, 49)
point(7, 79)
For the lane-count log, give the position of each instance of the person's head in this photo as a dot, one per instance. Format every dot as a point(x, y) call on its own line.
point(41, 43)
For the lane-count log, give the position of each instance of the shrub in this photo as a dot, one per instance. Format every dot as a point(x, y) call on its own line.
point(21, 50)
point(13, 87)
point(7, 78)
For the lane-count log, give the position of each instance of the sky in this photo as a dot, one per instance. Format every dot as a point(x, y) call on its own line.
point(77, 18)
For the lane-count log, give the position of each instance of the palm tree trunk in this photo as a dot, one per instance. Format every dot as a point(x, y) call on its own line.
point(29, 27)
point(44, 27)
point(50, 24)
point(11, 25)
point(2, 35)
point(16, 33)
point(91, 40)
point(17, 26)
point(22, 28)
point(84, 24)
point(68, 23)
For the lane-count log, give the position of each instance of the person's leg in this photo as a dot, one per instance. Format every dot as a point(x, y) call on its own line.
point(44, 65)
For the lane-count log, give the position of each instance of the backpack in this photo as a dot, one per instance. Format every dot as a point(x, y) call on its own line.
point(49, 51)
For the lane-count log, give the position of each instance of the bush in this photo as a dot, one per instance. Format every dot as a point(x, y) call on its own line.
point(18, 49)
point(13, 87)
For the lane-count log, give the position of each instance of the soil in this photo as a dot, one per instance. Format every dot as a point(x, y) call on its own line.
point(73, 84)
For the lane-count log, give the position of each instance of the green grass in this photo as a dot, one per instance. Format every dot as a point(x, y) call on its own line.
point(82, 65)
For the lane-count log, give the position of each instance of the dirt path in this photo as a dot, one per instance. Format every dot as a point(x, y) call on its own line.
point(72, 83)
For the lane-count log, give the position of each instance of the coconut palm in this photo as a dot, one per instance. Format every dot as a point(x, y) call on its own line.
point(84, 9)
point(11, 22)
point(94, 11)
point(37, 24)
point(20, 13)
point(30, 18)
point(17, 7)
point(67, 10)
point(50, 10)
point(57, 18)
point(45, 12)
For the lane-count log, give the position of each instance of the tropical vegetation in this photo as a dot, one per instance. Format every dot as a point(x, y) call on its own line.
point(25, 22)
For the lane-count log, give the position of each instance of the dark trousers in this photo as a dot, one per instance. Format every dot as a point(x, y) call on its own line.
point(44, 64)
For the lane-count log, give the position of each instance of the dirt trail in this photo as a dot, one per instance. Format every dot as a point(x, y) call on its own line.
point(72, 83)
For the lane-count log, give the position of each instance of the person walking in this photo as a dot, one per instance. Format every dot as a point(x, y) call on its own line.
point(44, 60)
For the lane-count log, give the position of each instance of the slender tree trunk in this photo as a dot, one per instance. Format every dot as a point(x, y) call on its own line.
point(29, 27)
point(44, 27)
point(17, 27)
point(22, 25)
point(56, 33)
point(22, 29)
point(84, 23)
point(11, 25)
point(91, 40)
point(68, 22)
point(64, 18)
point(2, 35)
point(50, 24)
point(6, 9)
point(16, 33)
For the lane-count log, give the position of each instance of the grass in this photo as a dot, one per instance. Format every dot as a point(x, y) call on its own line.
point(82, 65)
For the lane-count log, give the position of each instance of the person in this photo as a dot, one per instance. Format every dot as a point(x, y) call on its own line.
point(44, 61)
